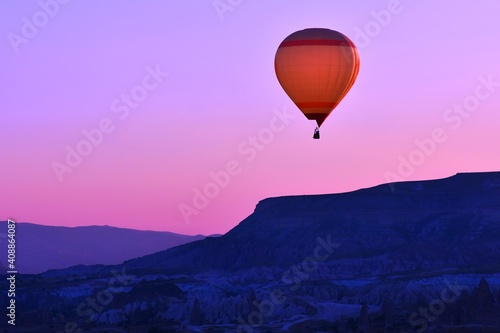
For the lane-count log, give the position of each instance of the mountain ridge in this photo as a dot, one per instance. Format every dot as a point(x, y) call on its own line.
point(375, 257)
point(436, 214)
point(40, 247)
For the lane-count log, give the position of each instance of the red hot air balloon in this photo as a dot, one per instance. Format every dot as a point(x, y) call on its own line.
point(316, 68)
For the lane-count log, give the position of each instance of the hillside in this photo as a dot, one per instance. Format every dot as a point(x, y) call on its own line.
point(40, 247)
point(370, 260)
point(445, 224)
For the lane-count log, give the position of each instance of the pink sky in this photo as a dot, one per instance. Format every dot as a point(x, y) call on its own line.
point(418, 61)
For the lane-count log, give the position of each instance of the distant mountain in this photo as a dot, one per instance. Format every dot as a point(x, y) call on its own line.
point(407, 227)
point(40, 247)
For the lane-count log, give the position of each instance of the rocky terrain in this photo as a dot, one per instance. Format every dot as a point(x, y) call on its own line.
point(405, 257)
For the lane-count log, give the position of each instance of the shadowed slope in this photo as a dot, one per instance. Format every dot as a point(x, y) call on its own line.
point(403, 227)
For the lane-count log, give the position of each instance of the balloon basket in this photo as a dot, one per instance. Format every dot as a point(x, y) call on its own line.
point(316, 133)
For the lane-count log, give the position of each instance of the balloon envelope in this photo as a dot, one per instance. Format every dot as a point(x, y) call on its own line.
point(316, 68)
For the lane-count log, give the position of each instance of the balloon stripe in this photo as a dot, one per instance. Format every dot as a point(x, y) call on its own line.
point(330, 105)
point(306, 42)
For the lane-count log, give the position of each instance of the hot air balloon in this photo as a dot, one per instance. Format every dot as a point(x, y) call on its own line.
point(316, 68)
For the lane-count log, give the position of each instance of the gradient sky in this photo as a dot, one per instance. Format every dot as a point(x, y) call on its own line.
point(70, 75)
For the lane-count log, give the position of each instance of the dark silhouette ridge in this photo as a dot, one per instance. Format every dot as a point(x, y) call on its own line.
point(400, 227)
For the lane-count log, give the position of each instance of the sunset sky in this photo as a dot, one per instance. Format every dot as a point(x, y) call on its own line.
point(172, 92)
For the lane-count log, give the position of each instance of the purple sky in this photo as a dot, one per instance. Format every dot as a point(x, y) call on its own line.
point(424, 65)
